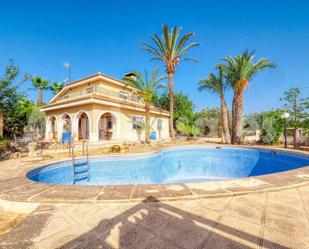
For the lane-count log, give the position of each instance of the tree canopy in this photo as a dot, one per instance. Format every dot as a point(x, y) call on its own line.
point(14, 104)
point(297, 106)
point(183, 105)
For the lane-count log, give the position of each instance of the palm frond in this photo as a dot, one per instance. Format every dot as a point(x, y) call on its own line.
point(186, 49)
point(243, 67)
point(170, 47)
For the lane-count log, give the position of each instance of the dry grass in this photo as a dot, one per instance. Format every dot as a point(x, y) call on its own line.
point(141, 148)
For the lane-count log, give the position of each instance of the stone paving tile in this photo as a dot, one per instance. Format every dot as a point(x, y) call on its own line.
point(19, 245)
point(287, 224)
point(185, 233)
point(58, 224)
point(286, 209)
point(7, 184)
point(25, 192)
point(28, 230)
point(306, 206)
point(289, 196)
point(98, 218)
point(71, 237)
point(150, 218)
point(282, 179)
point(248, 208)
point(217, 241)
point(158, 191)
point(93, 244)
point(232, 232)
point(192, 211)
point(116, 192)
point(8, 221)
point(206, 188)
point(253, 200)
point(216, 204)
point(161, 243)
point(68, 193)
point(127, 235)
point(304, 191)
point(278, 240)
point(247, 184)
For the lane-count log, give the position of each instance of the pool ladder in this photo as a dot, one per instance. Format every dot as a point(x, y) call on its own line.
point(80, 168)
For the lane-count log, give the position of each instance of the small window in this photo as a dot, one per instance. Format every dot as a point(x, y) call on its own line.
point(90, 89)
point(65, 96)
point(123, 95)
point(159, 124)
point(137, 123)
point(136, 98)
point(139, 99)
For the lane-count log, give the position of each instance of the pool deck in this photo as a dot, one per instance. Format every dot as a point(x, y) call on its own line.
point(270, 211)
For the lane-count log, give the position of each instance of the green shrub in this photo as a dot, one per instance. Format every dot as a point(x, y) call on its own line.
point(4, 143)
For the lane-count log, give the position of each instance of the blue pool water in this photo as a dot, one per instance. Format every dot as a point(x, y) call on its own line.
point(186, 164)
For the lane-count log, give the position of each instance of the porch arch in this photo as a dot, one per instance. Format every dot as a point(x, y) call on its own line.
point(108, 125)
point(82, 125)
point(52, 127)
point(65, 124)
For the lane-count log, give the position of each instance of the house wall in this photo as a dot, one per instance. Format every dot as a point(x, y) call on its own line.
point(122, 130)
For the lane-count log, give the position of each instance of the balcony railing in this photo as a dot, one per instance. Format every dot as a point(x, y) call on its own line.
point(97, 89)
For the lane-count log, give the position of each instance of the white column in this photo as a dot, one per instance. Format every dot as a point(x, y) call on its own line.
point(47, 127)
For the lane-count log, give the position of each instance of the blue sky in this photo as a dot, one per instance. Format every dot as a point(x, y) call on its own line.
point(105, 36)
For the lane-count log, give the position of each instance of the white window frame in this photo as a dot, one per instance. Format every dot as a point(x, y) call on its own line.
point(159, 124)
point(124, 95)
point(89, 89)
point(137, 122)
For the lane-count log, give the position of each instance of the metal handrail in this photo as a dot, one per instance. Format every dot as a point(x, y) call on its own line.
point(76, 163)
point(104, 91)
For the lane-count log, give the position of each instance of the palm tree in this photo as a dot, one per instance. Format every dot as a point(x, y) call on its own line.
point(170, 49)
point(56, 87)
point(239, 71)
point(147, 88)
point(40, 84)
point(218, 85)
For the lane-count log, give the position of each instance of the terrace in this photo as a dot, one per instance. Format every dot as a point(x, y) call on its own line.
point(103, 91)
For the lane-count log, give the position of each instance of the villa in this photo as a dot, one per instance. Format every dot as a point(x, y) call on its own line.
point(101, 108)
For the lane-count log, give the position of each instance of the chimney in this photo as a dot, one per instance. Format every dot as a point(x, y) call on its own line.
point(130, 75)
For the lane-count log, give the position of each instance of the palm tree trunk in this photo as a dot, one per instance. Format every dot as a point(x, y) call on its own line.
point(238, 102)
point(147, 127)
point(1, 122)
point(171, 98)
point(225, 121)
point(40, 98)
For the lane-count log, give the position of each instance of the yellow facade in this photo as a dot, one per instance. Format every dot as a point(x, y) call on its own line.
point(99, 108)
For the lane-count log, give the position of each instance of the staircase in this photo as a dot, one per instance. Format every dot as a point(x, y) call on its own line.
point(80, 168)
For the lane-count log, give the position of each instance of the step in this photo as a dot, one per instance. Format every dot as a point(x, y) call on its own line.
point(80, 171)
point(80, 164)
point(81, 179)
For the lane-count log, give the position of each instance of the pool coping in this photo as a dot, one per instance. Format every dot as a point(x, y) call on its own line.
point(18, 188)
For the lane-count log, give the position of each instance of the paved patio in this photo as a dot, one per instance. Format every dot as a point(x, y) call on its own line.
point(265, 220)
point(260, 212)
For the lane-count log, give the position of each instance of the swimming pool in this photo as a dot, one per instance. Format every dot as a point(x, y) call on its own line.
point(173, 165)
